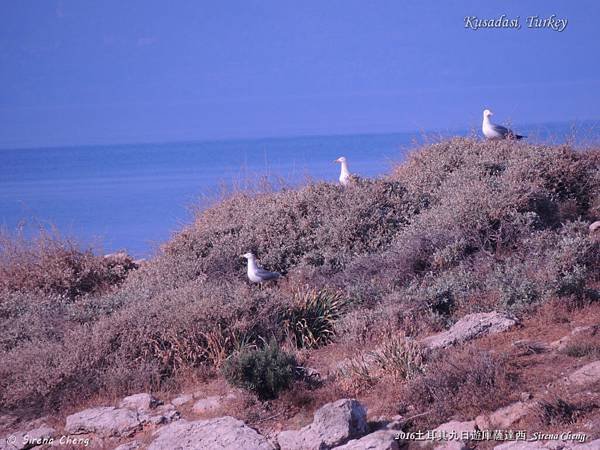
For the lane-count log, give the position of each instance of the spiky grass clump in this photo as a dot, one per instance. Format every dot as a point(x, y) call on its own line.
point(310, 323)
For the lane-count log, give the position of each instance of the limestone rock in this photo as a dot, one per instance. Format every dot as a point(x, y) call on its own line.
point(470, 327)
point(140, 402)
point(586, 375)
point(562, 343)
point(105, 421)
point(134, 445)
point(182, 399)
point(161, 415)
point(379, 440)
point(223, 433)
point(503, 418)
point(333, 425)
point(207, 405)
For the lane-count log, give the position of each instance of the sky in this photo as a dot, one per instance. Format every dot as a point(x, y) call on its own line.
point(75, 72)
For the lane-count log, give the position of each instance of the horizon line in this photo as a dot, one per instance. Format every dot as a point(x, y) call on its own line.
point(284, 137)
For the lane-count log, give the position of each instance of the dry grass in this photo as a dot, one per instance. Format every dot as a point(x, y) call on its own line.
point(462, 226)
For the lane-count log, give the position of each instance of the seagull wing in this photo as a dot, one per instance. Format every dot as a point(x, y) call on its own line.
point(266, 275)
point(503, 131)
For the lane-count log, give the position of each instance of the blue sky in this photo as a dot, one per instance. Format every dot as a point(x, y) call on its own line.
point(80, 72)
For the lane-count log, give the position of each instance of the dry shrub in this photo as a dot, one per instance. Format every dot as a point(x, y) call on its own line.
point(461, 383)
point(556, 411)
point(460, 221)
point(55, 266)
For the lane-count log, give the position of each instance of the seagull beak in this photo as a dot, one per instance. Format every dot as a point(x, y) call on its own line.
point(336, 160)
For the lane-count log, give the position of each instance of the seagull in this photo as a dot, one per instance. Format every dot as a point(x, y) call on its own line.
point(257, 274)
point(496, 132)
point(345, 176)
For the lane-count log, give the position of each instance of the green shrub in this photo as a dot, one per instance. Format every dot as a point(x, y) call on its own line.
point(266, 371)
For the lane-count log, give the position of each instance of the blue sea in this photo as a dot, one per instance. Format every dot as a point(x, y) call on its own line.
point(133, 197)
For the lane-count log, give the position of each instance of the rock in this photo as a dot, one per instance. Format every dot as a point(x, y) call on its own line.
point(521, 445)
point(592, 445)
point(161, 415)
point(452, 445)
point(379, 440)
point(182, 399)
point(594, 227)
point(586, 375)
point(470, 327)
point(129, 446)
point(207, 405)
point(106, 421)
point(333, 425)
point(223, 433)
point(503, 418)
point(395, 423)
point(21, 440)
point(562, 343)
point(450, 434)
point(140, 402)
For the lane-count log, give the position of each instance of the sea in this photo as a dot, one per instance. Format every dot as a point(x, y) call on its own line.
point(134, 197)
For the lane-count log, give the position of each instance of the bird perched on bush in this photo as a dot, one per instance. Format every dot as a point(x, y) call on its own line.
point(257, 274)
point(496, 132)
point(345, 176)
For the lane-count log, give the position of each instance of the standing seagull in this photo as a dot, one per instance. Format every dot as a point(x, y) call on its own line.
point(345, 176)
point(496, 132)
point(257, 274)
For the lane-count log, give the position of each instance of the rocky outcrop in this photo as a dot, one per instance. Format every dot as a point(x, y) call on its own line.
point(207, 405)
point(132, 414)
point(586, 375)
point(140, 402)
point(470, 327)
point(503, 418)
point(333, 425)
point(562, 343)
point(182, 399)
point(105, 421)
point(223, 433)
point(379, 440)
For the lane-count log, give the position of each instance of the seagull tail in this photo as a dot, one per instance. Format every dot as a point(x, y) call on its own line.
point(518, 137)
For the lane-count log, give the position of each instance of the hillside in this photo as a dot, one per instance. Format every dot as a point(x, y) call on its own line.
point(462, 227)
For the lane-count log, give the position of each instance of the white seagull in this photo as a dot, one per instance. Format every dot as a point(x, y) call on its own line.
point(496, 132)
point(257, 274)
point(345, 176)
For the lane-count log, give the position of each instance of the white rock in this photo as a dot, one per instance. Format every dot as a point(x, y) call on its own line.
point(379, 440)
point(223, 433)
point(586, 375)
point(182, 399)
point(104, 421)
point(129, 446)
point(161, 415)
point(470, 327)
point(207, 405)
point(564, 341)
point(503, 418)
point(333, 425)
point(140, 402)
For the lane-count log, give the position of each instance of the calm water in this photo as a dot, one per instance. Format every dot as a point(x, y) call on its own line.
point(134, 196)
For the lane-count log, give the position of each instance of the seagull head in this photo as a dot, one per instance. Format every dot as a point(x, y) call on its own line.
point(341, 159)
point(487, 113)
point(248, 255)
